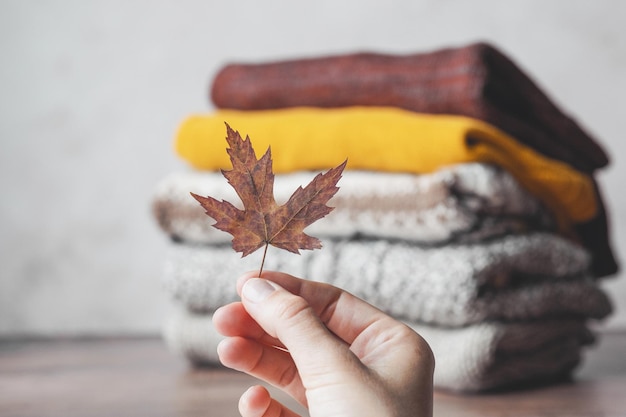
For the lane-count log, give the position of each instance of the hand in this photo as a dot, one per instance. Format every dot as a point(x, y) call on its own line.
point(331, 351)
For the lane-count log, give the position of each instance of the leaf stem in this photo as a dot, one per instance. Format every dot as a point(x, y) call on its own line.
point(263, 259)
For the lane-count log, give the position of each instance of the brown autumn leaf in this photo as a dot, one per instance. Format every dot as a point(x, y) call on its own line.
point(263, 222)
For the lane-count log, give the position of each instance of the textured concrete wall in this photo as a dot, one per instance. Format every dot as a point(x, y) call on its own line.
point(92, 92)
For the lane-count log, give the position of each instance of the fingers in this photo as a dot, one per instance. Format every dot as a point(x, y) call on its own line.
point(233, 320)
point(270, 364)
point(319, 355)
point(379, 341)
point(257, 402)
point(337, 340)
point(345, 315)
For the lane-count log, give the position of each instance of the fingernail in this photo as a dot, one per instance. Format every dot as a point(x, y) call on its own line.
point(257, 290)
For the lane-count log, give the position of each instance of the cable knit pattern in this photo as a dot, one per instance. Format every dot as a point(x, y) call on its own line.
point(517, 277)
point(474, 358)
point(460, 203)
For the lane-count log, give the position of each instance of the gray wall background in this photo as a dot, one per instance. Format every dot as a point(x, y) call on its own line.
point(91, 93)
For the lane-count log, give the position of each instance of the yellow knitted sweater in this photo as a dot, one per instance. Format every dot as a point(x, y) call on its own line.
point(385, 139)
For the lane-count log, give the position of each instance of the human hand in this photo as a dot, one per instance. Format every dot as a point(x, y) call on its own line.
point(334, 353)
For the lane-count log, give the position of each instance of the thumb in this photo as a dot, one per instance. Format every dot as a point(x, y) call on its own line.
point(290, 319)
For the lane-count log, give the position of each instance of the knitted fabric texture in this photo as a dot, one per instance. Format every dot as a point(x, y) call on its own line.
point(475, 358)
point(460, 203)
point(388, 140)
point(517, 277)
point(475, 80)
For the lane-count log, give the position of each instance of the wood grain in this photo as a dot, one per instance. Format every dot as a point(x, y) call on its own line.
point(139, 377)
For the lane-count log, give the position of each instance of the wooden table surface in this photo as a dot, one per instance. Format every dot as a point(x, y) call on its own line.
point(140, 377)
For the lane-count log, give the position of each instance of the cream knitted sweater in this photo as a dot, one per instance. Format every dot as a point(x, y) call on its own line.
point(460, 203)
point(479, 357)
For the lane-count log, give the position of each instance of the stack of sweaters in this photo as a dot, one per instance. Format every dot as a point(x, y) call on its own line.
point(468, 208)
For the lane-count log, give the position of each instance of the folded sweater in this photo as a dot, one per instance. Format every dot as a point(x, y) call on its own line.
point(388, 140)
point(517, 277)
point(475, 80)
point(484, 356)
point(459, 203)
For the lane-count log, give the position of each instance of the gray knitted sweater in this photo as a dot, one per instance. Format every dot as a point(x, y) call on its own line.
point(516, 277)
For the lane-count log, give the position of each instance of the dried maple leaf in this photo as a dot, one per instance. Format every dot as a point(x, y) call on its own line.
point(263, 222)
